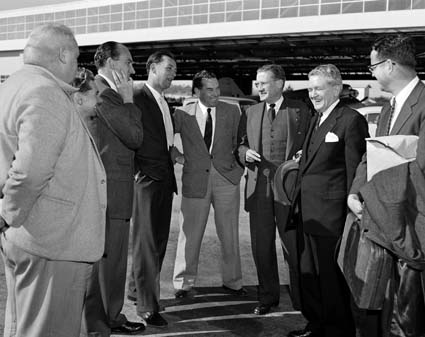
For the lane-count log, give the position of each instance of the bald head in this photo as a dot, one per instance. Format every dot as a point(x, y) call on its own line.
point(53, 46)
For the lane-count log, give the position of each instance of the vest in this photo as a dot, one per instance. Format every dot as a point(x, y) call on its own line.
point(274, 138)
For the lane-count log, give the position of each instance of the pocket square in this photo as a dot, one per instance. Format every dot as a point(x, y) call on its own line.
point(331, 138)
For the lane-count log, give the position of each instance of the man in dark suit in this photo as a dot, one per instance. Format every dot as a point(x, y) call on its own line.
point(211, 176)
point(272, 132)
point(393, 65)
point(154, 187)
point(333, 148)
point(117, 130)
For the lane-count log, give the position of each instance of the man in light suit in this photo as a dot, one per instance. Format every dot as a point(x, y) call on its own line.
point(53, 191)
point(333, 148)
point(154, 187)
point(272, 132)
point(118, 133)
point(393, 65)
point(211, 176)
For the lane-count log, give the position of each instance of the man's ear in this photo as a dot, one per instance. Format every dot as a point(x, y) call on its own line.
point(196, 92)
point(62, 55)
point(110, 63)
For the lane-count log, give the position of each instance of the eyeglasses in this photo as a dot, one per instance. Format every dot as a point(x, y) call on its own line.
point(372, 67)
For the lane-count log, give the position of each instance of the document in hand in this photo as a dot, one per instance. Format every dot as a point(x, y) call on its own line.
point(388, 151)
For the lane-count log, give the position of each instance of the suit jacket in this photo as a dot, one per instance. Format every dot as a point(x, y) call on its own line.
point(118, 133)
point(52, 180)
point(198, 160)
point(409, 122)
point(327, 170)
point(153, 157)
point(250, 127)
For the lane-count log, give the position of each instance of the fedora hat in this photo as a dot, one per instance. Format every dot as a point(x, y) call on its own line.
point(284, 182)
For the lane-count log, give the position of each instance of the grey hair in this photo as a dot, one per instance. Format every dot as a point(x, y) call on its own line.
point(330, 72)
point(45, 41)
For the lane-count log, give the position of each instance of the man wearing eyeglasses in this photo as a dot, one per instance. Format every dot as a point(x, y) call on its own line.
point(393, 65)
point(272, 132)
point(118, 133)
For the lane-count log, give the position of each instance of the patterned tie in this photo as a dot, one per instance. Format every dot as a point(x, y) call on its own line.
point(208, 130)
point(391, 116)
point(272, 112)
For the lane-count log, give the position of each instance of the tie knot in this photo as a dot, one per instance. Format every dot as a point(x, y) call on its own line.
point(209, 110)
point(272, 105)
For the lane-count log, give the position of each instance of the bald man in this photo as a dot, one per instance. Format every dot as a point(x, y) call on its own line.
point(53, 199)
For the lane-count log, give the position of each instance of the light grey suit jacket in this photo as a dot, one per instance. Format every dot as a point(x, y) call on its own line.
point(198, 160)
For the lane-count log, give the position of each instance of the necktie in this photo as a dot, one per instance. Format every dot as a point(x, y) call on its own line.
point(272, 112)
point(391, 116)
point(208, 130)
point(166, 116)
point(319, 117)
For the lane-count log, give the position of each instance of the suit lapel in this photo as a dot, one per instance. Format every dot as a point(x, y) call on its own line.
point(155, 110)
point(256, 125)
point(192, 122)
point(320, 134)
point(220, 122)
point(407, 109)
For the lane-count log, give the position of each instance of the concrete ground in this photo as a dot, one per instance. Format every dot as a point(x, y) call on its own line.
point(210, 311)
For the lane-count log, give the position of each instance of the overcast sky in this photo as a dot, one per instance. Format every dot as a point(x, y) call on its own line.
point(15, 4)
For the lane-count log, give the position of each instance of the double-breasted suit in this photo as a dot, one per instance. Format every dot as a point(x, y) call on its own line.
point(118, 132)
point(210, 177)
point(330, 156)
point(276, 142)
point(153, 197)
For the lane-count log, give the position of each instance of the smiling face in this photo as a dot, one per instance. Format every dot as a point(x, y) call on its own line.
point(209, 93)
point(269, 88)
point(322, 93)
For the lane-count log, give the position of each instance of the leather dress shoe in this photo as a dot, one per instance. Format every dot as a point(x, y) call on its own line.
point(128, 328)
point(181, 293)
point(154, 319)
point(262, 309)
point(237, 292)
point(304, 333)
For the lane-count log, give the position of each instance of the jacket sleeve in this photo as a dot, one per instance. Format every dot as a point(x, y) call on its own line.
point(123, 119)
point(355, 146)
point(242, 140)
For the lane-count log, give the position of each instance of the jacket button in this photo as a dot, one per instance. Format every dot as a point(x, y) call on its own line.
point(207, 170)
point(103, 181)
point(211, 156)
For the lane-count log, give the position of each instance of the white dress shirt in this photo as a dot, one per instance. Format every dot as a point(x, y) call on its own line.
point(201, 114)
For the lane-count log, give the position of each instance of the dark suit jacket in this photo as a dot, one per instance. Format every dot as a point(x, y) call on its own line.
point(153, 157)
point(409, 122)
point(327, 170)
point(198, 160)
point(250, 127)
point(118, 133)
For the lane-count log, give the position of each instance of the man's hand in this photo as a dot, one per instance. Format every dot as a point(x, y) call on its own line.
point(251, 156)
point(355, 205)
point(3, 225)
point(124, 85)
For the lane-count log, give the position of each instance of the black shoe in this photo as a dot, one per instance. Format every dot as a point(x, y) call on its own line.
point(262, 309)
point(237, 292)
point(132, 298)
point(128, 328)
point(304, 333)
point(154, 319)
point(181, 293)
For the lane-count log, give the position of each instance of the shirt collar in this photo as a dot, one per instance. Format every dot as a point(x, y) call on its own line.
point(328, 111)
point(155, 93)
point(277, 104)
point(111, 83)
point(204, 108)
point(402, 96)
